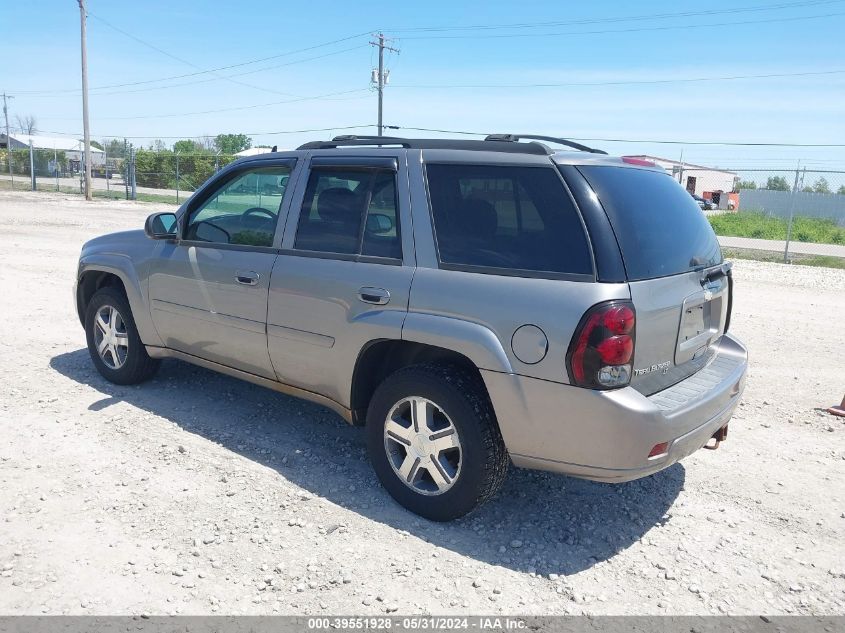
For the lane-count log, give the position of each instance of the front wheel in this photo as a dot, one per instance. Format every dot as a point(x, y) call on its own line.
point(434, 442)
point(113, 341)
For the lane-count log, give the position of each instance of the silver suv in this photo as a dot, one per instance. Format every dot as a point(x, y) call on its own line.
point(470, 303)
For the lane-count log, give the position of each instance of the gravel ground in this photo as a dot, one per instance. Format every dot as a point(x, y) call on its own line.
point(197, 493)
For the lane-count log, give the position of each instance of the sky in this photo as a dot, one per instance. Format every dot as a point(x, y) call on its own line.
point(601, 70)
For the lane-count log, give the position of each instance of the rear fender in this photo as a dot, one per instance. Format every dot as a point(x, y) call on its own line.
point(475, 341)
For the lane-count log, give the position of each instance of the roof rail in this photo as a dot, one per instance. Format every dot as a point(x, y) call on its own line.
point(513, 138)
point(493, 145)
point(350, 139)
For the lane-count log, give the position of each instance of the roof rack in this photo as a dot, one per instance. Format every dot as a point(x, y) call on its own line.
point(513, 138)
point(351, 139)
point(495, 145)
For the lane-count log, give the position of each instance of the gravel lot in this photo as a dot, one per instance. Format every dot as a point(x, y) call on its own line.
point(197, 493)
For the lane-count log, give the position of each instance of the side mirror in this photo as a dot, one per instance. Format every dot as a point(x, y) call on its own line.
point(161, 226)
point(379, 224)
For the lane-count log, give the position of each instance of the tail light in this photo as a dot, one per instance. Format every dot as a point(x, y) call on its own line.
point(633, 160)
point(602, 351)
point(730, 299)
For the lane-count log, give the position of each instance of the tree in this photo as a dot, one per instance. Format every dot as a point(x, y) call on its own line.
point(777, 183)
point(95, 144)
point(821, 185)
point(745, 184)
point(232, 143)
point(26, 124)
point(158, 168)
point(113, 147)
point(187, 146)
point(207, 143)
point(841, 191)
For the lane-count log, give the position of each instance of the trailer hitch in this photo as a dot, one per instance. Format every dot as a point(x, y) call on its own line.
point(720, 436)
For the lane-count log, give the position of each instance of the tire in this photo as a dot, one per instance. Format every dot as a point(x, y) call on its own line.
point(132, 364)
point(451, 398)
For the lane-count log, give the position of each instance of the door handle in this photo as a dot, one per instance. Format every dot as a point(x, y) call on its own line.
point(378, 296)
point(247, 277)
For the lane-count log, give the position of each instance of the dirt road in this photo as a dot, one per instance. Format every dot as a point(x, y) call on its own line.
point(197, 493)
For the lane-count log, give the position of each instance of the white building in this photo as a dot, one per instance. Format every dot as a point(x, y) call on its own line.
point(72, 148)
point(696, 179)
point(253, 151)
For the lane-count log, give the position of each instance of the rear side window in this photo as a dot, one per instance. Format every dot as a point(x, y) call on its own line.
point(659, 226)
point(516, 218)
point(350, 212)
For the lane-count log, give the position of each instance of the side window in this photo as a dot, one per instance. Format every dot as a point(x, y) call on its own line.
point(350, 212)
point(518, 218)
point(243, 211)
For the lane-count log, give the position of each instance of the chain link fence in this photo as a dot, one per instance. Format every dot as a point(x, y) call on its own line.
point(793, 215)
point(45, 169)
point(133, 174)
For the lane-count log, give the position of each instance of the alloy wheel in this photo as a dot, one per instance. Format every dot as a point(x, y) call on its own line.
point(110, 337)
point(423, 446)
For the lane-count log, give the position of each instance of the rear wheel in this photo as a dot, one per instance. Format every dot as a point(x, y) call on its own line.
point(113, 341)
point(434, 442)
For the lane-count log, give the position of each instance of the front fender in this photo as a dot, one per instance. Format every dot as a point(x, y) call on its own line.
point(473, 340)
point(135, 284)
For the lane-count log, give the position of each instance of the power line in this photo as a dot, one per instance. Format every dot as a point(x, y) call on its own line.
point(623, 83)
point(628, 140)
point(184, 136)
point(216, 78)
point(467, 133)
point(616, 19)
point(201, 72)
point(233, 109)
point(229, 77)
point(629, 30)
point(181, 60)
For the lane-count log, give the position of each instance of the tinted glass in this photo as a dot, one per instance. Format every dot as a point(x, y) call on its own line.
point(243, 211)
point(518, 218)
point(350, 212)
point(381, 233)
point(659, 226)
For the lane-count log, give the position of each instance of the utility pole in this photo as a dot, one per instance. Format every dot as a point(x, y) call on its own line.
point(8, 139)
point(381, 80)
point(31, 164)
point(134, 183)
point(126, 167)
point(791, 214)
point(87, 153)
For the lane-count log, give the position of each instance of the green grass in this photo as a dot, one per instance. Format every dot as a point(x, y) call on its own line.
point(824, 261)
point(117, 193)
point(759, 225)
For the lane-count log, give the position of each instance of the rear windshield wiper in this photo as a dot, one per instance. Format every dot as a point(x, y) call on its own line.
point(716, 272)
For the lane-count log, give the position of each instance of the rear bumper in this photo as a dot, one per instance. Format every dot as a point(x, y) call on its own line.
point(607, 435)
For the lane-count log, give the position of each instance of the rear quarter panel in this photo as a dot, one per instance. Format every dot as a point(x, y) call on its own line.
point(501, 305)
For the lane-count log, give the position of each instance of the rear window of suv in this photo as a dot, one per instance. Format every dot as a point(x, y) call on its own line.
point(660, 228)
point(506, 219)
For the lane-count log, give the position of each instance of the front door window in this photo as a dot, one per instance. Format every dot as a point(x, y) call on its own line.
point(244, 211)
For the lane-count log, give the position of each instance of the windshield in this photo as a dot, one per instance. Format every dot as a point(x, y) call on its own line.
point(659, 226)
